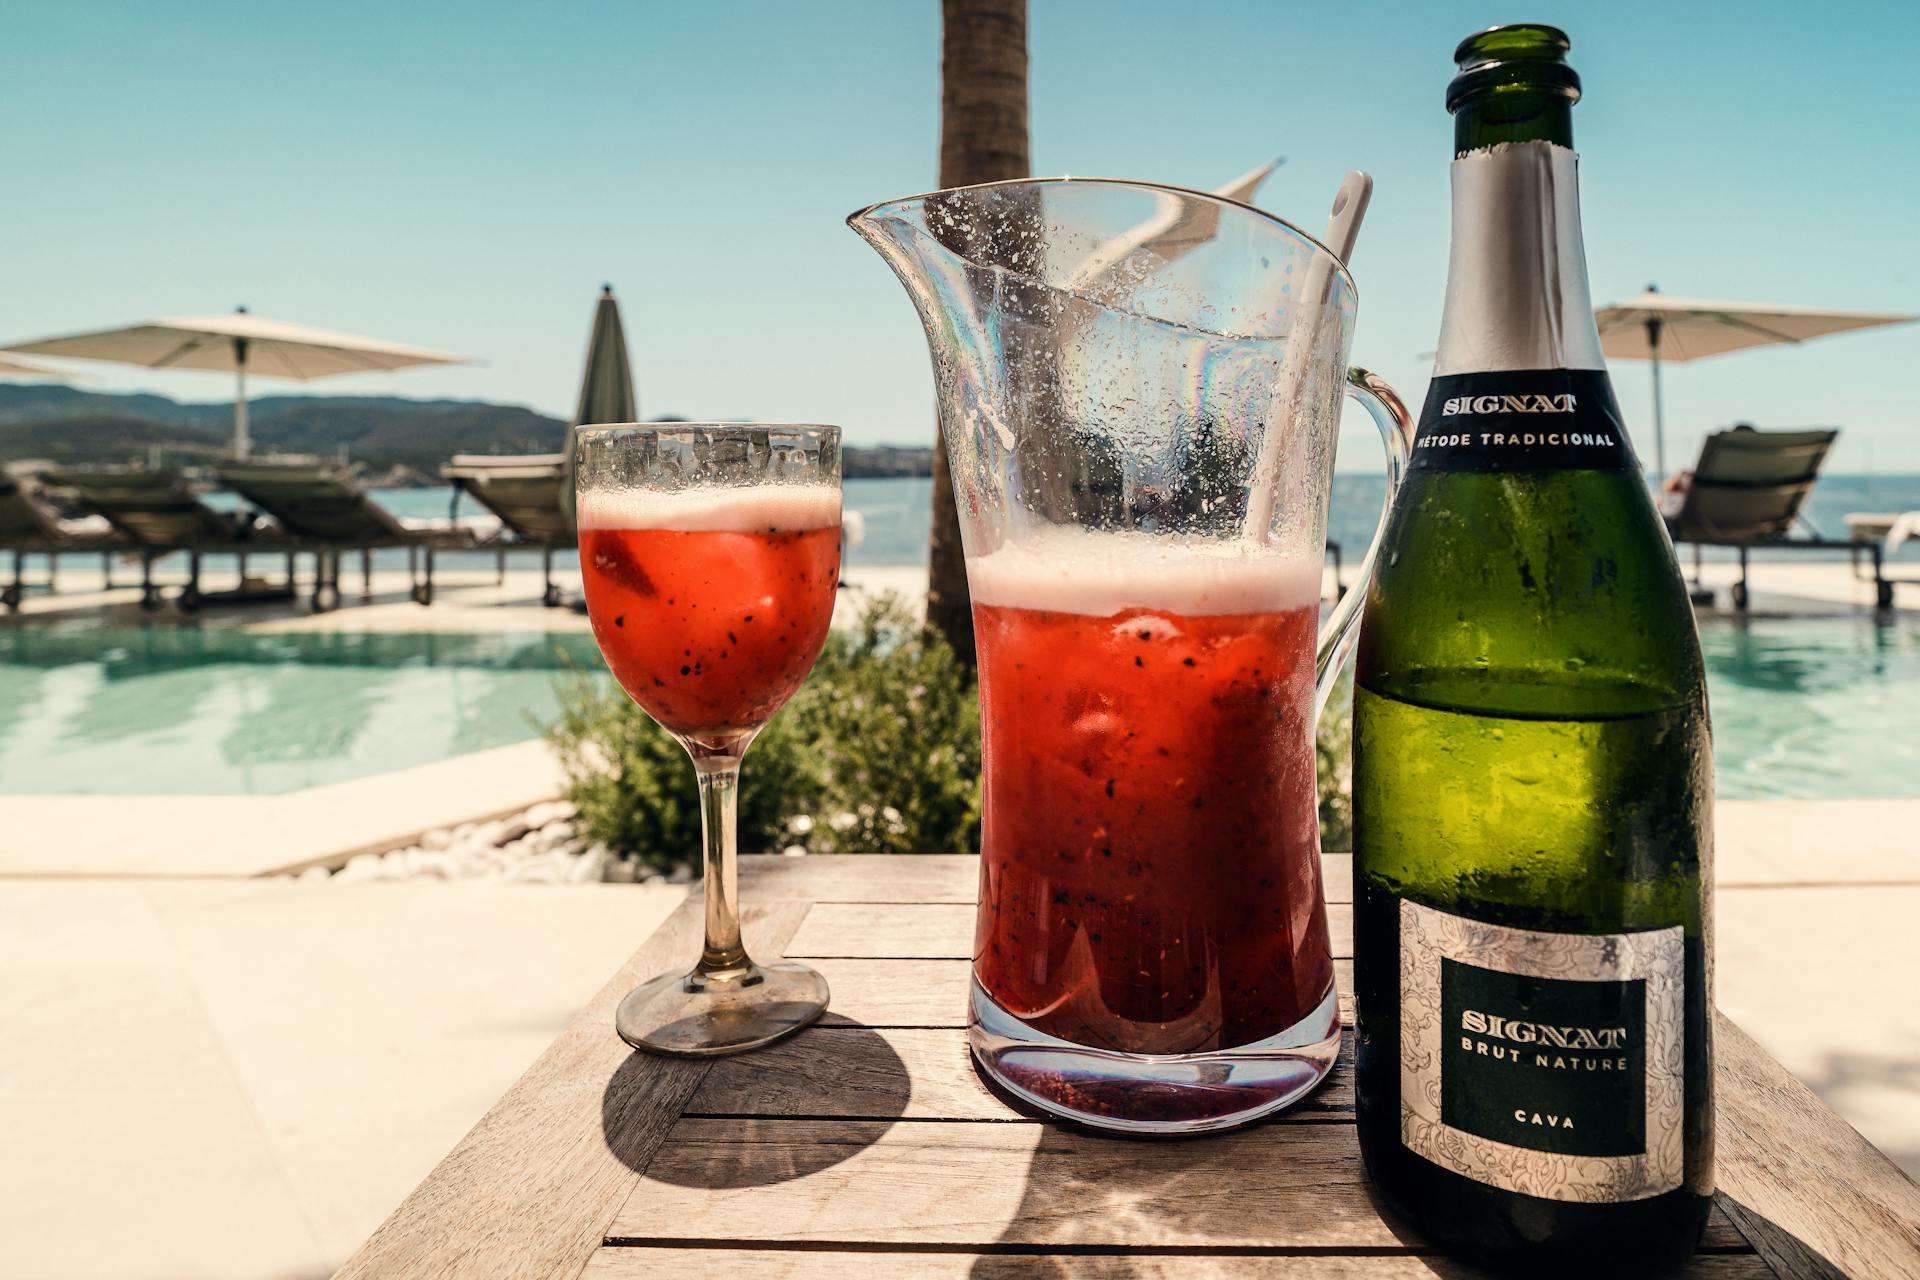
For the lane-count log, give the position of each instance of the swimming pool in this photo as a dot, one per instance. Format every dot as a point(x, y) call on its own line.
point(1815, 708)
point(182, 711)
point(1802, 708)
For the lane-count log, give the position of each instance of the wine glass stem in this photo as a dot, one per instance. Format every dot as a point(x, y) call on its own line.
point(719, 774)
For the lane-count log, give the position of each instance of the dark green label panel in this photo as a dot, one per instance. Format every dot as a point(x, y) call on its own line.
point(1522, 420)
point(1544, 1063)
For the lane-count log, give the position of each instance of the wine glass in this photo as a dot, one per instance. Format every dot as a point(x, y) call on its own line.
point(711, 553)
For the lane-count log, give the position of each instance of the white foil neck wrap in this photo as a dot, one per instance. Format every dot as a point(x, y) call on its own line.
point(1517, 276)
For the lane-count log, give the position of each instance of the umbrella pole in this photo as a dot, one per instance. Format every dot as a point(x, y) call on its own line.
point(1659, 412)
point(241, 445)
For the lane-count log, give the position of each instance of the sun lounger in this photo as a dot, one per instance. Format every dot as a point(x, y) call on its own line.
point(323, 505)
point(156, 513)
point(1748, 491)
point(1888, 530)
point(524, 492)
point(29, 528)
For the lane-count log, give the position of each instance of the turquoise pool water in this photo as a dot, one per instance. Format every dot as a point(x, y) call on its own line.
point(1813, 708)
point(1802, 708)
point(180, 711)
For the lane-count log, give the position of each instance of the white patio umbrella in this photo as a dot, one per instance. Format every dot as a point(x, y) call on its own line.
point(238, 344)
point(1663, 330)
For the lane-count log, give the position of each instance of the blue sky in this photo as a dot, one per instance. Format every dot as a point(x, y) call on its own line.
point(464, 176)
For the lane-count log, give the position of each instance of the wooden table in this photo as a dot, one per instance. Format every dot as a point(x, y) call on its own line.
point(866, 1147)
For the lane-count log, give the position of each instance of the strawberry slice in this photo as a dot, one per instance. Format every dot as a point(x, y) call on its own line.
point(614, 559)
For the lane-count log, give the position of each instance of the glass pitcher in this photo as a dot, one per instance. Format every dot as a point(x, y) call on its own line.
point(1140, 393)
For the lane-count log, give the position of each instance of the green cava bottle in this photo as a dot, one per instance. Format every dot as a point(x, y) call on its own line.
point(1532, 775)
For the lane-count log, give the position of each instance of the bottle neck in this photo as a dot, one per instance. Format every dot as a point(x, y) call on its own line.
point(1517, 295)
point(1513, 113)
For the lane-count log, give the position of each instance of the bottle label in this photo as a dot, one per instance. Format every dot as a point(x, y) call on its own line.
point(1549, 1064)
point(1522, 420)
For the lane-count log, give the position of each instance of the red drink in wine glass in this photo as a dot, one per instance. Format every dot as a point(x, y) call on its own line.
point(710, 616)
point(711, 554)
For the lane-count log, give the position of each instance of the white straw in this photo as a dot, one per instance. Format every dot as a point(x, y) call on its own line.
point(1343, 228)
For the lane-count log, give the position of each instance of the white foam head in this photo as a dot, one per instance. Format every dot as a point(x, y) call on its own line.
point(752, 509)
point(1101, 573)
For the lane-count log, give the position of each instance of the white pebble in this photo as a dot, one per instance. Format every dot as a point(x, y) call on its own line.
point(472, 867)
point(433, 865)
point(533, 873)
point(543, 813)
point(586, 868)
point(315, 874)
point(362, 866)
point(436, 840)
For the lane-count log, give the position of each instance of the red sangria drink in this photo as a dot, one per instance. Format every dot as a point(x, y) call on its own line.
point(710, 609)
point(1150, 878)
point(711, 554)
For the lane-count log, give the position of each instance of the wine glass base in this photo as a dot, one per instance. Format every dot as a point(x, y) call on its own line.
point(705, 1015)
point(1166, 1095)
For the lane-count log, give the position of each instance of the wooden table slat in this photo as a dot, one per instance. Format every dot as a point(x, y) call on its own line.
point(1814, 1197)
point(918, 1073)
point(663, 1263)
point(982, 1184)
point(1292, 1185)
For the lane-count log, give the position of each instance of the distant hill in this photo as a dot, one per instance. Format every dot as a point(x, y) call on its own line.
point(70, 425)
point(33, 400)
point(105, 437)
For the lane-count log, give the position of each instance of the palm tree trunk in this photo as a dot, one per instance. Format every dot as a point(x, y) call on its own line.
point(983, 138)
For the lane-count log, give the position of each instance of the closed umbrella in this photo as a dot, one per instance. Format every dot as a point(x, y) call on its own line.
point(1663, 330)
point(606, 388)
point(238, 344)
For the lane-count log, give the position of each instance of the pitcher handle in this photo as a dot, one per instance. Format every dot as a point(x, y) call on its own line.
point(1341, 629)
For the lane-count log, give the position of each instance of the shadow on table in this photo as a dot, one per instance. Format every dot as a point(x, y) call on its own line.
point(1088, 1197)
point(1090, 1200)
point(738, 1131)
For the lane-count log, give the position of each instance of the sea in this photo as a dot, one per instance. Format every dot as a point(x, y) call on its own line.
point(895, 511)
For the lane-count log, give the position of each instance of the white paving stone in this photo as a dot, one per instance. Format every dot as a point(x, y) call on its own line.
point(244, 1077)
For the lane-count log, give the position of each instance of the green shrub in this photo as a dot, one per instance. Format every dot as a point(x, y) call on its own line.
point(878, 752)
point(1333, 759)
